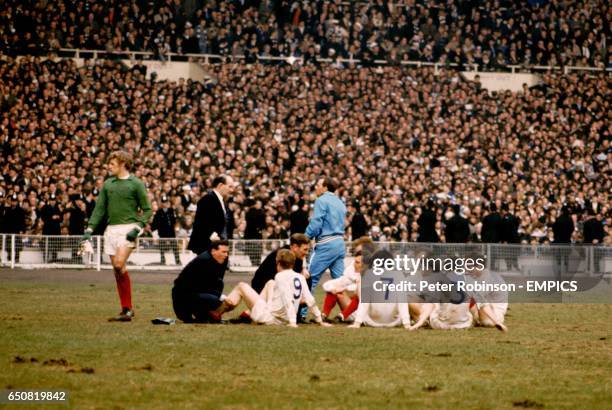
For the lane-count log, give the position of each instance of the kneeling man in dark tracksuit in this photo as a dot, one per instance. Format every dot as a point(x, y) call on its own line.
point(197, 290)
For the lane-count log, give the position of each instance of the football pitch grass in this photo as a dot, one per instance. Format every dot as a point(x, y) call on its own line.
point(54, 335)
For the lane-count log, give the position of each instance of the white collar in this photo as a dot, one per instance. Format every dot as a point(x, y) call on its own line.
point(220, 200)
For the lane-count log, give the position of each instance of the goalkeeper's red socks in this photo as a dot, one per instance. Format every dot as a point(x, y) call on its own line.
point(124, 288)
point(352, 306)
point(328, 304)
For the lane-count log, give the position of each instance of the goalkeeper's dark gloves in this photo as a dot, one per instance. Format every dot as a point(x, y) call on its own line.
point(133, 234)
point(87, 235)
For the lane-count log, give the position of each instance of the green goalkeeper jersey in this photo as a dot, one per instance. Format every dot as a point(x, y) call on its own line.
point(120, 201)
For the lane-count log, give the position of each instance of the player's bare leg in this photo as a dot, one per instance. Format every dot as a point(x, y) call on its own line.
point(343, 300)
point(422, 312)
point(266, 294)
point(124, 285)
point(241, 292)
point(119, 259)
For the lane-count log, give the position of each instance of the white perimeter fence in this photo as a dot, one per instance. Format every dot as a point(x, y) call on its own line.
point(32, 252)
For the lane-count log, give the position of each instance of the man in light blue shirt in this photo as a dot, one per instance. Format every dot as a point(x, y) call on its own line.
point(326, 227)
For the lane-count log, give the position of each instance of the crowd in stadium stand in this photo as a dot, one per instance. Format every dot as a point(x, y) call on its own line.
point(491, 33)
point(407, 146)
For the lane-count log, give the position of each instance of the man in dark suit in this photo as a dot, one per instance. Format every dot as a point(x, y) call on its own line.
point(594, 234)
point(491, 226)
point(359, 224)
point(299, 245)
point(563, 228)
point(198, 288)
point(212, 215)
point(427, 224)
point(491, 231)
point(164, 222)
point(255, 225)
point(457, 228)
point(509, 226)
point(299, 218)
point(52, 217)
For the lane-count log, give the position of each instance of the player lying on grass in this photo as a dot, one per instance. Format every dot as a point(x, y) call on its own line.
point(343, 290)
point(279, 300)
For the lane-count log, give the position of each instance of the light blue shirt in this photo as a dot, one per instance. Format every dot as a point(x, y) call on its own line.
point(328, 217)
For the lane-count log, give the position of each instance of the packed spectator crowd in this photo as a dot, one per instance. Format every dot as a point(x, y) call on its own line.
point(491, 33)
point(406, 144)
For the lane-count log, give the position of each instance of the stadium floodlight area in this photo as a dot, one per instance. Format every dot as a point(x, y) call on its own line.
point(36, 251)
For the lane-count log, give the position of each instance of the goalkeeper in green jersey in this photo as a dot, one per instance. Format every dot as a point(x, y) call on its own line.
point(124, 205)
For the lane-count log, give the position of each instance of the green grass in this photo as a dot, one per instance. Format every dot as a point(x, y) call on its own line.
point(556, 356)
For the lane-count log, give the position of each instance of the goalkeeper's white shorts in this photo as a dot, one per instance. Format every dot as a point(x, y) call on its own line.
point(115, 238)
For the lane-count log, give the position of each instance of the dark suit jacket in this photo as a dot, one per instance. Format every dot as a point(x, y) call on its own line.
point(255, 223)
point(491, 228)
point(427, 227)
point(209, 218)
point(202, 275)
point(509, 229)
point(563, 229)
point(457, 230)
point(593, 229)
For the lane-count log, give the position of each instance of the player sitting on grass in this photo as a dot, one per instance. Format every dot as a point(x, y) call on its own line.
point(280, 298)
point(442, 315)
point(488, 308)
point(389, 314)
point(343, 291)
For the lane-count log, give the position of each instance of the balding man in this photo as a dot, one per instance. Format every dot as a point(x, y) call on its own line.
point(212, 218)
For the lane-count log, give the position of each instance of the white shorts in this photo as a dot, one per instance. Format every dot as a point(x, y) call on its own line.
point(452, 317)
point(115, 237)
point(340, 285)
point(260, 313)
point(498, 310)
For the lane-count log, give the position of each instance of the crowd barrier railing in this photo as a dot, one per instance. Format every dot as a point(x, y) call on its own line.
point(215, 58)
point(55, 252)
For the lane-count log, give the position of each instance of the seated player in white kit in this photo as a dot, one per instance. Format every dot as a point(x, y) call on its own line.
point(280, 298)
point(443, 315)
point(488, 308)
point(343, 290)
point(466, 313)
point(380, 314)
